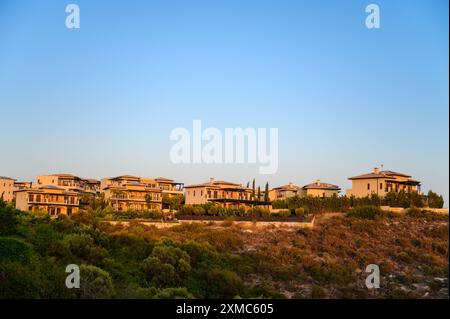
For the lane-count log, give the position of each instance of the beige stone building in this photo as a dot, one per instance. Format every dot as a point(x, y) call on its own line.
point(285, 191)
point(9, 185)
point(317, 189)
point(69, 182)
point(381, 182)
point(52, 199)
point(223, 193)
point(321, 189)
point(139, 193)
point(7, 188)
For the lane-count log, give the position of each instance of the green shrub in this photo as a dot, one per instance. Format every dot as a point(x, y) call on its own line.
point(365, 212)
point(265, 291)
point(95, 283)
point(84, 217)
point(415, 212)
point(166, 266)
point(83, 247)
point(13, 250)
point(173, 293)
point(8, 220)
point(222, 283)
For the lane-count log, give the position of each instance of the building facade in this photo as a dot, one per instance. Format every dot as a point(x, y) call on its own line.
point(52, 199)
point(382, 182)
point(69, 182)
point(223, 193)
point(9, 185)
point(321, 189)
point(139, 193)
point(285, 191)
point(7, 188)
point(316, 189)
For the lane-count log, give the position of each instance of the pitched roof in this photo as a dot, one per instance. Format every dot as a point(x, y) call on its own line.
point(322, 185)
point(64, 175)
point(91, 180)
point(370, 175)
point(395, 173)
point(214, 184)
point(380, 174)
point(288, 187)
point(163, 179)
point(4, 177)
point(126, 177)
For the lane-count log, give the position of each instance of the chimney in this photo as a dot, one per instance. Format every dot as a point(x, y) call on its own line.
point(291, 184)
point(376, 170)
point(211, 180)
point(318, 182)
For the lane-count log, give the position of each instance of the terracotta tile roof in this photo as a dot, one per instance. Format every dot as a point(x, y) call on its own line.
point(4, 177)
point(372, 175)
point(380, 174)
point(288, 187)
point(394, 173)
point(322, 185)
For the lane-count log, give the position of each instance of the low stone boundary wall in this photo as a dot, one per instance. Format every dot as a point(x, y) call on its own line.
point(219, 223)
point(401, 210)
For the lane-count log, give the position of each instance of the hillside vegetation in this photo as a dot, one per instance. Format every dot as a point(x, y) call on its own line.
point(225, 260)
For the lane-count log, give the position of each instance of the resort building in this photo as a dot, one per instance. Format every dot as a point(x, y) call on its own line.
point(9, 185)
point(285, 191)
point(382, 182)
point(223, 193)
point(139, 193)
point(52, 199)
point(69, 182)
point(316, 189)
point(7, 188)
point(321, 189)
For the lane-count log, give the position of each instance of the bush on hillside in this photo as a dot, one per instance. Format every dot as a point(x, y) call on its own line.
point(365, 212)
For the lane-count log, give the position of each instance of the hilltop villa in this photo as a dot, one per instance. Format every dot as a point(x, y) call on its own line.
point(65, 193)
point(382, 182)
point(285, 191)
point(316, 189)
point(224, 193)
point(133, 192)
point(321, 189)
point(9, 185)
point(57, 193)
point(69, 182)
point(55, 200)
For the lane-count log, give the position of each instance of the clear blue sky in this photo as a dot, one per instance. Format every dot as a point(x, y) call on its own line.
point(102, 100)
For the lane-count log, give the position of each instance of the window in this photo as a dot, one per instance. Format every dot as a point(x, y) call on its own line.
point(194, 193)
point(368, 186)
point(381, 185)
